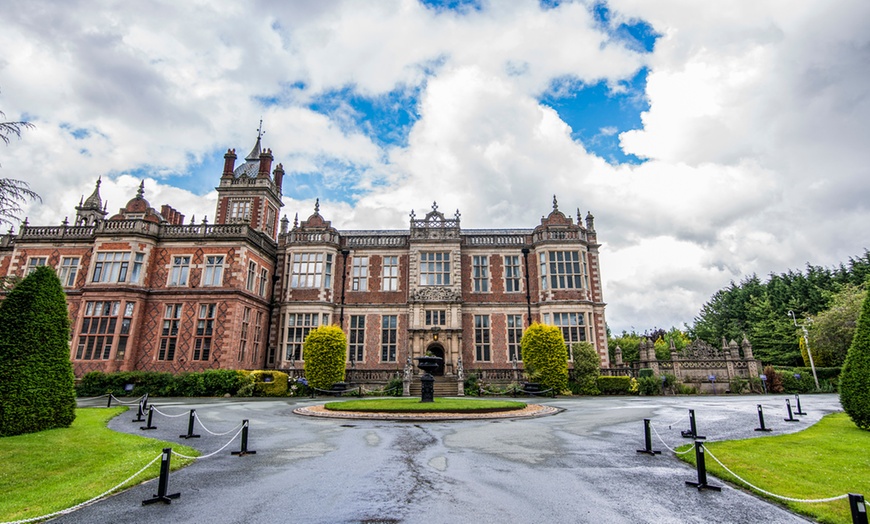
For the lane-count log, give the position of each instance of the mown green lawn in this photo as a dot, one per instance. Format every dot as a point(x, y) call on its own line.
point(49, 471)
point(413, 405)
point(825, 460)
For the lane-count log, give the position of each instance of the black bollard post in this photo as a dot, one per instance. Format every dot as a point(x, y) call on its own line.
point(139, 414)
point(647, 440)
point(190, 426)
point(109, 404)
point(163, 482)
point(244, 451)
point(145, 402)
point(798, 400)
point(790, 417)
point(859, 509)
point(761, 420)
point(702, 470)
point(692, 432)
point(148, 424)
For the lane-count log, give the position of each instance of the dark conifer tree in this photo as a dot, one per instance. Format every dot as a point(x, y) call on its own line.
point(855, 377)
point(36, 376)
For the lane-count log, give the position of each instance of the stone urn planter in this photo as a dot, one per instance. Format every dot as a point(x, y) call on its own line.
point(427, 365)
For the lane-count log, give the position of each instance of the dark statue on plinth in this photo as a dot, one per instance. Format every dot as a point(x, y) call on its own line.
point(428, 364)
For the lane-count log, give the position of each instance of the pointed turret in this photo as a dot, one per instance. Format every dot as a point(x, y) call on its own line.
point(91, 210)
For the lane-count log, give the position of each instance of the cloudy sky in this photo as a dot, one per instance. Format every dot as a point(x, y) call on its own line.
point(710, 140)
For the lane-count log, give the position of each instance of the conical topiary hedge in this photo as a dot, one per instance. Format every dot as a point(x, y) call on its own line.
point(855, 377)
point(36, 377)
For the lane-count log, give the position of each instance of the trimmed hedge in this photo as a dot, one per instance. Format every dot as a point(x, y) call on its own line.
point(545, 356)
point(210, 383)
point(36, 376)
point(855, 377)
point(828, 379)
point(276, 386)
point(324, 352)
point(614, 385)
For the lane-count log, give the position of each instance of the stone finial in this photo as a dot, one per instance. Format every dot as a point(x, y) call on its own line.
point(457, 214)
point(747, 348)
point(413, 215)
point(434, 206)
point(296, 221)
point(205, 220)
point(590, 221)
point(317, 206)
point(141, 192)
point(285, 222)
point(555, 204)
point(192, 219)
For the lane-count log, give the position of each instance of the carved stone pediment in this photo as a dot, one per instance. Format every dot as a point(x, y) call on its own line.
point(700, 350)
point(435, 294)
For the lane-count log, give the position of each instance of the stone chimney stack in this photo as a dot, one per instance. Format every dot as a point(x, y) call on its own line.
point(265, 164)
point(279, 176)
point(229, 163)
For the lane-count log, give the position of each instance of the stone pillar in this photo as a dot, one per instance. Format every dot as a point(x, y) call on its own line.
point(730, 355)
point(617, 356)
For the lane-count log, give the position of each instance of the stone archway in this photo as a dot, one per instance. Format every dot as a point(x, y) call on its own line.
point(437, 350)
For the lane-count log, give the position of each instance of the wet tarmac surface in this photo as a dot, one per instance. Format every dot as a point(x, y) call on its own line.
point(579, 465)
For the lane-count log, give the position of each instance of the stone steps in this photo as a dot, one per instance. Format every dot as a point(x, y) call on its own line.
point(444, 387)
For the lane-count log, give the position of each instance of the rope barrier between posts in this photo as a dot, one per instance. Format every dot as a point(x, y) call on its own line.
point(85, 503)
point(781, 497)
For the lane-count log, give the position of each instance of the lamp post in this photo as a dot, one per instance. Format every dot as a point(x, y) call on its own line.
point(803, 327)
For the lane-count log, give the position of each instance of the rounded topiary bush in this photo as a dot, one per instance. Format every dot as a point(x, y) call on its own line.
point(323, 351)
point(36, 377)
point(545, 356)
point(855, 377)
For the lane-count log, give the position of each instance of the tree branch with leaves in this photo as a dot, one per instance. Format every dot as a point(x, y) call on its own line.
point(13, 193)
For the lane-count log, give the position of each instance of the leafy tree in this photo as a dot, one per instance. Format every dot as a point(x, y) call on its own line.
point(36, 377)
point(855, 377)
point(629, 343)
point(324, 349)
point(13, 193)
point(545, 356)
point(831, 331)
point(587, 367)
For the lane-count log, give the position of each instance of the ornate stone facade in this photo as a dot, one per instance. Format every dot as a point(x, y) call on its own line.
point(148, 292)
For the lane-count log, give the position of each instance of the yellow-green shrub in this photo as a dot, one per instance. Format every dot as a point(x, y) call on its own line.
point(324, 349)
point(277, 387)
point(545, 356)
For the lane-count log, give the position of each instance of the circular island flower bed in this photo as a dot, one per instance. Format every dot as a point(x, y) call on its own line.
point(412, 410)
point(413, 405)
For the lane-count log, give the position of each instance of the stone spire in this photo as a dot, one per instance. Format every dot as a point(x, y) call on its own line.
point(92, 209)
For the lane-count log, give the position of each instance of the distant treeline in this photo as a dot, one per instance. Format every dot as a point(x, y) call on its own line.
point(831, 297)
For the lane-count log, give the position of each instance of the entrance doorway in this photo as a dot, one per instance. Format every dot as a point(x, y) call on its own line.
point(437, 351)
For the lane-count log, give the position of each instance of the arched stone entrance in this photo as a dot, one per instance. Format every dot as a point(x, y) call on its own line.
point(437, 350)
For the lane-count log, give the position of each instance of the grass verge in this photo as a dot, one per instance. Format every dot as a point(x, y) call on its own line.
point(413, 405)
point(825, 460)
point(56, 469)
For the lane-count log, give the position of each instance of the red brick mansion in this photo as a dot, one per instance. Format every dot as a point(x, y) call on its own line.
point(148, 292)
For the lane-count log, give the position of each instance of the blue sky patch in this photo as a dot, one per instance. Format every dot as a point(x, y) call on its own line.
point(78, 133)
point(457, 6)
point(597, 113)
point(637, 34)
point(386, 119)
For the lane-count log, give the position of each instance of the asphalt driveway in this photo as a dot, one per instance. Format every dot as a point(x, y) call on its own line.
point(580, 465)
